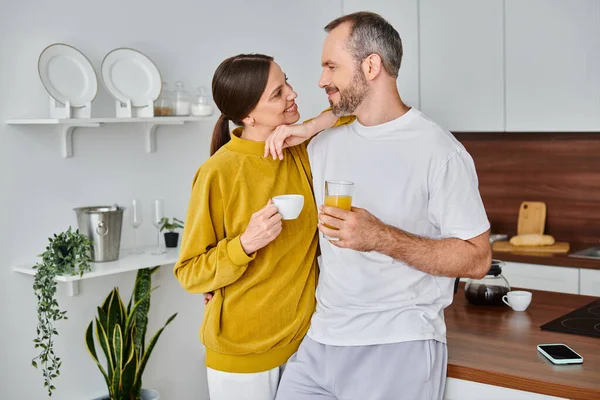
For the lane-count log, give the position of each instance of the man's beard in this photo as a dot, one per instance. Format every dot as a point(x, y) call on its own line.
point(352, 96)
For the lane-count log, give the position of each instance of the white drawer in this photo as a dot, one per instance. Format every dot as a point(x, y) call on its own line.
point(542, 277)
point(589, 282)
point(458, 389)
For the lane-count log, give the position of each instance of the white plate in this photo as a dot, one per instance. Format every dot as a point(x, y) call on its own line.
point(67, 75)
point(130, 75)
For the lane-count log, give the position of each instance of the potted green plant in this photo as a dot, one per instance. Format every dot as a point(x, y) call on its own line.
point(171, 237)
point(68, 253)
point(121, 333)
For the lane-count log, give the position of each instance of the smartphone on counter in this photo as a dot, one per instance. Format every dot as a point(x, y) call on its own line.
point(559, 354)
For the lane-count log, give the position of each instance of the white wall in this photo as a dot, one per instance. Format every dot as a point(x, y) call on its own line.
point(186, 39)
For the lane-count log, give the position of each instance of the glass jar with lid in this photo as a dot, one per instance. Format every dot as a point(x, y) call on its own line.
point(181, 99)
point(201, 106)
point(490, 289)
point(163, 106)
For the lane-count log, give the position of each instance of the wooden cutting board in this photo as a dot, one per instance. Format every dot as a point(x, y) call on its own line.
point(557, 247)
point(532, 218)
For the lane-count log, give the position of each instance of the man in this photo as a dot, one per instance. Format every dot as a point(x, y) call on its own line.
point(418, 222)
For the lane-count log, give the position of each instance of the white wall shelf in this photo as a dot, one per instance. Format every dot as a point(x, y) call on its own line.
point(66, 127)
point(126, 262)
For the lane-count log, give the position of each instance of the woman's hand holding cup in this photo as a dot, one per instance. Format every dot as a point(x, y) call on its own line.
point(264, 227)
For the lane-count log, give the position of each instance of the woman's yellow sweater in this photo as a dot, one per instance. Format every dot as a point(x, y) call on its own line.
point(262, 302)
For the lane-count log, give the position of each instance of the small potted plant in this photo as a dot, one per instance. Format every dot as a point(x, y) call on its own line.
point(68, 253)
point(121, 333)
point(171, 237)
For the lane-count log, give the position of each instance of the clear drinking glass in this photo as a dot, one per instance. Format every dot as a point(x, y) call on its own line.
point(338, 194)
point(158, 213)
point(135, 219)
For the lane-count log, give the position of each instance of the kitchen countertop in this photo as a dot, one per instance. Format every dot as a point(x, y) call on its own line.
point(497, 346)
point(562, 260)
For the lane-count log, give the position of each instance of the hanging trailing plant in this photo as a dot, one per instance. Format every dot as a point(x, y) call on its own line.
point(68, 253)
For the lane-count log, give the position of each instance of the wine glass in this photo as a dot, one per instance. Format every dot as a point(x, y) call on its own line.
point(135, 219)
point(158, 213)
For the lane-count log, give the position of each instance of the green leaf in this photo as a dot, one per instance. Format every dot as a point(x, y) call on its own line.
point(117, 346)
point(89, 343)
point(131, 318)
point(129, 370)
point(115, 313)
point(105, 344)
point(102, 318)
point(142, 292)
point(170, 226)
point(107, 301)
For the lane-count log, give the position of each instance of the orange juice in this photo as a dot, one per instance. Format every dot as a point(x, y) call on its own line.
point(343, 202)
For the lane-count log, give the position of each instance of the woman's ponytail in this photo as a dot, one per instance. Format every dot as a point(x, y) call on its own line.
point(220, 135)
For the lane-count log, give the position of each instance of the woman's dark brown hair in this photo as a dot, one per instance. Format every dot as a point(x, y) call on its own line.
point(237, 85)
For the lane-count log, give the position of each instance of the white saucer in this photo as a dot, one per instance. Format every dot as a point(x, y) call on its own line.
point(131, 75)
point(67, 75)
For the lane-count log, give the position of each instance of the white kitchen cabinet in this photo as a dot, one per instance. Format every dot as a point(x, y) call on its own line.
point(542, 277)
point(403, 15)
point(458, 389)
point(461, 46)
point(552, 65)
point(589, 282)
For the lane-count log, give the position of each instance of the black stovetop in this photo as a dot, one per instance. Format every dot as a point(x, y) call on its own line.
point(583, 321)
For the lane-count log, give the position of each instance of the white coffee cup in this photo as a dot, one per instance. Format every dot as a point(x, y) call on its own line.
point(518, 300)
point(289, 205)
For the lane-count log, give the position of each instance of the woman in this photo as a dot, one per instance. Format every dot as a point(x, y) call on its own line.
point(262, 271)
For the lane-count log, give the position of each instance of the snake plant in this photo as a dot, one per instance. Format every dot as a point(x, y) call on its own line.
point(121, 334)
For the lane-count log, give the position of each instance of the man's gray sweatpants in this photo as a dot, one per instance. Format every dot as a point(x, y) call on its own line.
point(398, 371)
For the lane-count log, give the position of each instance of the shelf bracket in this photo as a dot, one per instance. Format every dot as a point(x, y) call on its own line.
point(72, 288)
point(66, 136)
point(151, 128)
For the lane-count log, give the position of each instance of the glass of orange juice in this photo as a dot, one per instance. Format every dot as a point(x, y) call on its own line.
point(338, 194)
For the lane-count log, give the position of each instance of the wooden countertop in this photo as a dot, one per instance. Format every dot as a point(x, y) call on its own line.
point(497, 346)
point(562, 260)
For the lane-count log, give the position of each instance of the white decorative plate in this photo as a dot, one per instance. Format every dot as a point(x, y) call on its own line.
point(131, 75)
point(67, 75)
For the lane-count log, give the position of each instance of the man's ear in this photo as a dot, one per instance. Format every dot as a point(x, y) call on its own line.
point(372, 66)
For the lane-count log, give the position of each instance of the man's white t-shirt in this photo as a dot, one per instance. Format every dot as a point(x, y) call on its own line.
point(413, 175)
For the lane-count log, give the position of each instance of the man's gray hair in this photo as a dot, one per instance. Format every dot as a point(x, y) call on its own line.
point(370, 34)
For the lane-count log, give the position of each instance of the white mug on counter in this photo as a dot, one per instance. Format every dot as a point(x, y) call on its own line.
point(518, 300)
